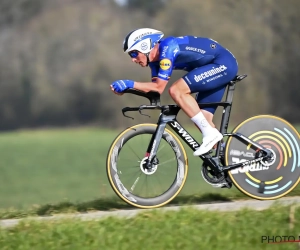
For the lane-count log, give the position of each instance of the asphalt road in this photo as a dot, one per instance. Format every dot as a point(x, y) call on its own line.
point(223, 206)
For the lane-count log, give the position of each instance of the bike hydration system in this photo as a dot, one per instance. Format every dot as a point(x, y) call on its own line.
point(147, 164)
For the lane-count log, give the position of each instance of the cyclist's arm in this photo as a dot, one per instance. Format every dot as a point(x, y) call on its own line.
point(161, 73)
point(159, 85)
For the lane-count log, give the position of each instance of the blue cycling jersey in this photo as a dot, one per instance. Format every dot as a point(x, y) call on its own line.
point(186, 53)
point(209, 66)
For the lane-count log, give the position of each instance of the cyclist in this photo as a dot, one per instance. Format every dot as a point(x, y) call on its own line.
point(209, 68)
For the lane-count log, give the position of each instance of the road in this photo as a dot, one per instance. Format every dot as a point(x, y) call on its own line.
point(223, 206)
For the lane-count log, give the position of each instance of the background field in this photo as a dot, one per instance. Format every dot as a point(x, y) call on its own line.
point(55, 165)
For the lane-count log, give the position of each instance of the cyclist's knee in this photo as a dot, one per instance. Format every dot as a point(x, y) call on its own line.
point(179, 88)
point(174, 91)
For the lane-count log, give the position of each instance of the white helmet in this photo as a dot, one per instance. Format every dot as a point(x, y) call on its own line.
point(142, 40)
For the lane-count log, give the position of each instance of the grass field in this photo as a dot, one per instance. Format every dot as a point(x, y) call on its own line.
point(67, 167)
point(184, 229)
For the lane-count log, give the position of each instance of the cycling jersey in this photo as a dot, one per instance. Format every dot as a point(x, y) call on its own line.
point(186, 53)
point(210, 66)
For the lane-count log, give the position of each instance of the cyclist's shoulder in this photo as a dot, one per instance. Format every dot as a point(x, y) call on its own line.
point(173, 41)
point(167, 46)
point(168, 41)
point(201, 39)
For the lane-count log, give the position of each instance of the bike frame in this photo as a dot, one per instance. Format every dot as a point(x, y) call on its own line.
point(168, 116)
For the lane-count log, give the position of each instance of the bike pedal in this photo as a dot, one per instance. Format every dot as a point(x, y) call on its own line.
point(227, 185)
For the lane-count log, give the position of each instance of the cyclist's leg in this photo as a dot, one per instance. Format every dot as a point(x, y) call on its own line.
point(210, 96)
point(180, 92)
point(209, 79)
point(214, 95)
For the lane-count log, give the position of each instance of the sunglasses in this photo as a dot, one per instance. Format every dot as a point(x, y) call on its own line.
point(133, 54)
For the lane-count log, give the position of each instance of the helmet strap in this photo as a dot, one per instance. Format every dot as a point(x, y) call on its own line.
point(148, 60)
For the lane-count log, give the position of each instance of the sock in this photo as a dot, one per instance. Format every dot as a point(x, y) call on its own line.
point(202, 124)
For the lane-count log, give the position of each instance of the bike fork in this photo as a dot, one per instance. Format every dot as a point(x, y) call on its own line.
point(154, 144)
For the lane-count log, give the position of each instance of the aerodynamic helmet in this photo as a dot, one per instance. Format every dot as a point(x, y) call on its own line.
point(142, 40)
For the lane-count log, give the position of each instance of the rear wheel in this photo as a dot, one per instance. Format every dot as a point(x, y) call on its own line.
point(265, 180)
point(127, 172)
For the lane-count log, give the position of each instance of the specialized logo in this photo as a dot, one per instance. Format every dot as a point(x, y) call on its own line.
point(165, 64)
point(209, 73)
point(140, 36)
point(144, 46)
point(175, 51)
point(185, 135)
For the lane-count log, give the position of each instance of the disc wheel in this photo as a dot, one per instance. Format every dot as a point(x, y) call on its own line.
point(265, 180)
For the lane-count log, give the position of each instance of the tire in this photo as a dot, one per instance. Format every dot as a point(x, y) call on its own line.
point(127, 176)
point(257, 180)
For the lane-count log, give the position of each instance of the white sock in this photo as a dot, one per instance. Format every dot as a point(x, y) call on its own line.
point(202, 124)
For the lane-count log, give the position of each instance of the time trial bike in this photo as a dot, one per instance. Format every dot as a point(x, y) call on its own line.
point(147, 164)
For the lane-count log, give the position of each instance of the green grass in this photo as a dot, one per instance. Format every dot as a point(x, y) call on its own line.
point(184, 229)
point(50, 166)
point(53, 165)
point(46, 171)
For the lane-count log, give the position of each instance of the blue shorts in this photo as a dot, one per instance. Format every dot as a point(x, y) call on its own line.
point(210, 80)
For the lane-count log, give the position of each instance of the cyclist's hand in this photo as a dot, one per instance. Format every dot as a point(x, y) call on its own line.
point(121, 85)
point(112, 89)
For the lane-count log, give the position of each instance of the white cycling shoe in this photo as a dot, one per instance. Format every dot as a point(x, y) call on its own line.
point(208, 142)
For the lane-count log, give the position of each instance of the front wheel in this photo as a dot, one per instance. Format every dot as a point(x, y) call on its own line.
point(137, 185)
point(260, 180)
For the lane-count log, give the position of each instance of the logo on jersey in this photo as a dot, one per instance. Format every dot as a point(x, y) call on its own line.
point(195, 49)
point(213, 46)
point(188, 80)
point(165, 64)
point(164, 51)
point(212, 72)
point(175, 51)
point(164, 76)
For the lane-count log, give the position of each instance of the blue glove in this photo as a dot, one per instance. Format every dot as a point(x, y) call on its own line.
point(121, 85)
